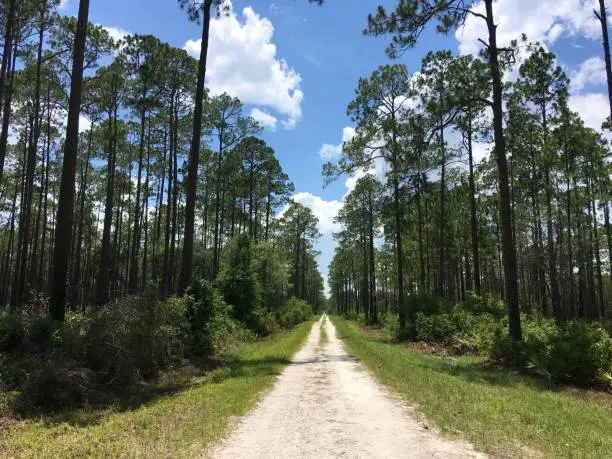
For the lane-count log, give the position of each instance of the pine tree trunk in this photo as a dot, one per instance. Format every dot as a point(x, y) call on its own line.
point(165, 276)
point(63, 236)
point(373, 307)
point(6, 111)
point(603, 19)
point(6, 54)
point(102, 294)
point(145, 256)
point(158, 217)
point(473, 210)
point(133, 275)
point(26, 204)
point(510, 268)
point(442, 221)
point(76, 277)
point(194, 155)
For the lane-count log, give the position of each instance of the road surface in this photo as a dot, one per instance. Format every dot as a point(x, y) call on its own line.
point(326, 405)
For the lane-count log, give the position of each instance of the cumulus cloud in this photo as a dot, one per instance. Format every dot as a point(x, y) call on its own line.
point(264, 118)
point(543, 20)
point(330, 152)
point(242, 61)
point(591, 71)
point(325, 211)
point(116, 33)
point(594, 108)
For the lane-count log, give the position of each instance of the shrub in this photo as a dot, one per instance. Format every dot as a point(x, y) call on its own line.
point(12, 331)
point(486, 304)
point(272, 274)
point(211, 327)
point(438, 328)
point(425, 304)
point(58, 384)
point(580, 353)
point(390, 323)
point(13, 374)
point(265, 322)
point(237, 280)
point(40, 332)
point(296, 312)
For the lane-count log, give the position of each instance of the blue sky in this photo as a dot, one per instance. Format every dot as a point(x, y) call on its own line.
point(297, 65)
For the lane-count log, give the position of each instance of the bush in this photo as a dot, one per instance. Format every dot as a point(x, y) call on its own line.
point(390, 323)
point(272, 274)
point(265, 322)
point(296, 312)
point(12, 331)
point(486, 304)
point(58, 384)
point(237, 280)
point(211, 328)
point(40, 333)
point(425, 304)
point(579, 352)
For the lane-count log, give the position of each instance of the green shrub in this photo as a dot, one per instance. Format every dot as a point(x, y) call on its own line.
point(296, 312)
point(265, 322)
point(425, 304)
point(486, 304)
point(437, 328)
point(13, 374)
point(237, 280)
point(272, 274)
point(580, 353)
point(58, 384)
point(390, 323)
point(40, 332)
point(12, 331)
point(211, 327)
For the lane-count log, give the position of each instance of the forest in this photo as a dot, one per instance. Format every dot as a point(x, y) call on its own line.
point(161, 292)
point(445, 248)
point(105, 207)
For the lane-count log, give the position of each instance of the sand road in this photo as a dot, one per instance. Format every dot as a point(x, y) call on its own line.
point(324, 405)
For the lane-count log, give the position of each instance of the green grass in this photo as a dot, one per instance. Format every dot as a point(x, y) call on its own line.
point(500, 412)
point(323, 336)
point(178, 417)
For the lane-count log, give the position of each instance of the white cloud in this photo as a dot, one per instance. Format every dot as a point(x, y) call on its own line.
point(330, 152)
point(242, 61)
point(542, 20)
point(325, 211)
point(594, 108)
point(63, 4)
point(591, 71)
point(351, 182)
point(263, 118)
point(116, 33)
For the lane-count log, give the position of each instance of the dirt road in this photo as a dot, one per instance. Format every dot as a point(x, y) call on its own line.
point(326, 405)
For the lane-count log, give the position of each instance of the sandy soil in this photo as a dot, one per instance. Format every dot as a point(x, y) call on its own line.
point(324, 405)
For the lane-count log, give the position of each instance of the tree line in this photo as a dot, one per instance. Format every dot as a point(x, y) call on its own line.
point(530, 223)
point(121, 174)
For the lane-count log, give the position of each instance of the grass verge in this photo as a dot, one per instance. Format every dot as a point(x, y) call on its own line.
point(500, 412)
point(178, 417)
point(323, 336)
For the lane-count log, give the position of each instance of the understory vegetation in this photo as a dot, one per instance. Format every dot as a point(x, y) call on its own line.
point(99, 355)
point(179, 415)
point(504, 413)
point(505, 254)
point(577, 351)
